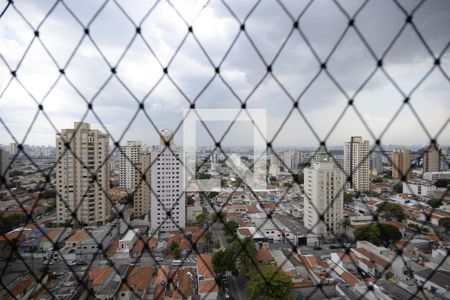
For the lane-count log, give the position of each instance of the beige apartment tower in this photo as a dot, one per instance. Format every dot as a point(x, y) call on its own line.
point(401, 164)
point(356, 163)
point(130, 155)
point(82, 176)
point(324, 195)
point(142, 195)
point(431, 159)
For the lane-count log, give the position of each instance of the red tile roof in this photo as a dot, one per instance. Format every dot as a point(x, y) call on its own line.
point(205, 266)
point(77, 237)
point(98, 276)
point(139, 278)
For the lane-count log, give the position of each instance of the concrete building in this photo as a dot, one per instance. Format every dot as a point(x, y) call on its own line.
point(82, 177)
point(168, 208)
point(356, 163)
point(401, 164)
point(130, 155)
point(431, 161)
point(12, 149)
point(436, 175)
point(4, 163)
point(419, 188)
point(291, 160)
point(323, 184)
point(142, 192)
point(376, 162)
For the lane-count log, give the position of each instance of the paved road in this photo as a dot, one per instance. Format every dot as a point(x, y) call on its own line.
point(218, 233)
point(237, 287)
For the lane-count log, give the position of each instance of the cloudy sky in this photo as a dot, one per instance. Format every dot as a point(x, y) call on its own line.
point(296, 73)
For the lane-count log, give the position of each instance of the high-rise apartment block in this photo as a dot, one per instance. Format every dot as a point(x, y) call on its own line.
point(4, 164)
point(431, 159)
point(82, 175)
point(142, 191)
point(356, 163)
point(168, 209)
point(401, 164)
point(130, 155)
point(376, 162)
point(324, 195)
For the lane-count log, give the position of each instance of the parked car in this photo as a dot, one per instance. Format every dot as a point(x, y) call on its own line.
point(159, 258)
point(317, 248)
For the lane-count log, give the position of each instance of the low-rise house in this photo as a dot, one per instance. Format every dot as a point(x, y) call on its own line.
point(53, 237)
point(207, 286)
point(126, 243)
point(437, 282)
point(138, 284)
point(90, 243)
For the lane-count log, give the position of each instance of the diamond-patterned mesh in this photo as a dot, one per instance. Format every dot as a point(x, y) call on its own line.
point(261, 56)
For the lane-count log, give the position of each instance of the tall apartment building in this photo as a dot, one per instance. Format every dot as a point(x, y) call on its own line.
point(12, 149)
point(4, 163)
point(129, 159)
point(142, 192)
point(431, 159)
point(168, 208)
point(356, 163)
point(290, 161)
point(324, 195)
point(82, 177)
point(401, 163)
point(376, 162)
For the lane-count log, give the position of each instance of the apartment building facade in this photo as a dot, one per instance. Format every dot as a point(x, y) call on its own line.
point(324, 183)
point(168, 208)
point(82, 175)
point(356, 163)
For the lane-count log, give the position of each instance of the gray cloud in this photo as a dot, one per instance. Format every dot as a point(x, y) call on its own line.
point(215, 28)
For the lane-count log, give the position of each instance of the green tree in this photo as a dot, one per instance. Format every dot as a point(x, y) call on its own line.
point(223, 260)
point(216, 244)
point(177, 253)
point(391, 210)
point(47, 194)
point(268, 285)
point(398, 187)
point(219, 217)
point(190, 200)
point(300, 177)
point(347, 198)
point(442, 183)
point(173, 246)
point(231, 228)
point(379, 234)
point(16, 173)
point(245, 254)
point(203, 176)
point(201, 218)
point(434, 203)
point(377, 180)
point(445, 223)
point(237, 182)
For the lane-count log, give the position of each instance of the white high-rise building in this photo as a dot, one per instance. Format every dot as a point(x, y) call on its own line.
point(130, 155)
point(82, 176)
point(324, 183)
point(168, 209)
point(214, 161)
point(356, 163)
